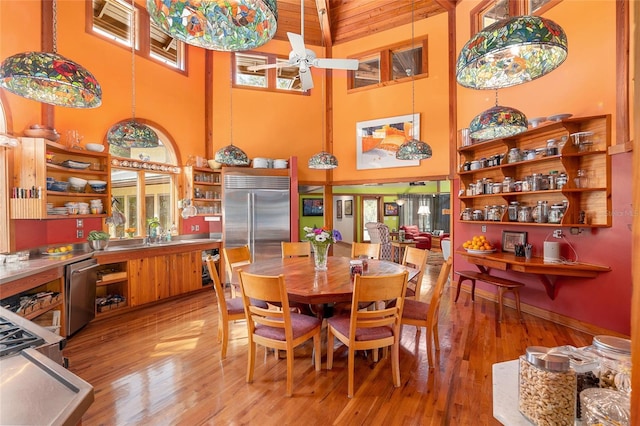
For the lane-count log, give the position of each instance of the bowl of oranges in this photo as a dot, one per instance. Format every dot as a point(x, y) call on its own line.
point(478, 244)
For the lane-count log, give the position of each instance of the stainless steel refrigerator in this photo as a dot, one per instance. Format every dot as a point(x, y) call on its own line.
point(257, 213)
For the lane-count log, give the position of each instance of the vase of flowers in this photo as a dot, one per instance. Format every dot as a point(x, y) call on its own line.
point(321, 239)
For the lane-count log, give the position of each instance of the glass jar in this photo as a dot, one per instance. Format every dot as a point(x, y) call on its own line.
point(547, 387)
point(556, 213)
point(552, 178)
point(355, 268)
point(466, 214)
point(514, 155)
point(582, 179)
point(479, 187)
point(604, 407)
point(513, 211)
point(517, 186)
point(488, 185)
point(526, 184)
point(536, 182)
point(585, 364)
point(615, 362)
point(524, 214)
point(540, 213)
point(562, 180)
point(496, 188)
point(507, 184)
point(552, 147)
point(478, 215)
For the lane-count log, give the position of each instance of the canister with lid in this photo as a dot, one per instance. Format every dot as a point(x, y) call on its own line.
point(478, 215)
point(524, 214)
point(561, 181)
point(507, 184)
point(585, 364)
point(547, 387)
point(536, 182)
point(552, 178)
point(552, 147)
point(514, 155)
point(556, 213)
point(513, 211)
point(615, 362)
point(467, 214)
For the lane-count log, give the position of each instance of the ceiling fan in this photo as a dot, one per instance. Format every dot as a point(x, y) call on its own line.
point(304, 58)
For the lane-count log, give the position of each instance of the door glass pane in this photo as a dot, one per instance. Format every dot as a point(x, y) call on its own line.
point(369, 214)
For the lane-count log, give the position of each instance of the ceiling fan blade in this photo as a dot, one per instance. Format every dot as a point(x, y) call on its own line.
point(343, 64)
point(297, 45)
point(267, 66)
point(306, 80)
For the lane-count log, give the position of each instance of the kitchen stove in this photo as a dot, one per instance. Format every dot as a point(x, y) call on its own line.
point(14, 338)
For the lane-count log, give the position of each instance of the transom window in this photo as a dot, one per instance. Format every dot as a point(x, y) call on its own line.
point(394, 63)
point(490, 11)
point(282, 77)
point(113, 20)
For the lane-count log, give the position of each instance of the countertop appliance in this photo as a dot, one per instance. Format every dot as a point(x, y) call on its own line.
point(256, 212)
point(36, 389)
point(80, 290)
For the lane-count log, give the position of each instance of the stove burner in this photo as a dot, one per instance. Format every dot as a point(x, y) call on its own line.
point(14, 338)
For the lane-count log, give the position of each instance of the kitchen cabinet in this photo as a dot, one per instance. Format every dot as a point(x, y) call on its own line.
point(112, 288)
point(588, 206)
point(32, 168)
point(204, 189)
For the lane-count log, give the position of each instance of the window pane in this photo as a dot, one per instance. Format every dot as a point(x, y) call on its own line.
point(164, 47)
point(245, 77)
point(287, 77)
point(368, 72)
point(500, 10)
point(157, 187)
point(112, 19)
point(534, 5)
point(406, 62)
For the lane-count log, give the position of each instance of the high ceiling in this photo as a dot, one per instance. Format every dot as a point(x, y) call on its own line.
point(351, 19)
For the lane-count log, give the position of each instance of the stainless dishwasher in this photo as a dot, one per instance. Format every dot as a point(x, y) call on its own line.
point(80, 291)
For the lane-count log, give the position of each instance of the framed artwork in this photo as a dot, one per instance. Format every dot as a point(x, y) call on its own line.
point(511, 238)
point(312, 207)
point(348, 207)
point(390, 209)
point(377, 141)
point(339, 209)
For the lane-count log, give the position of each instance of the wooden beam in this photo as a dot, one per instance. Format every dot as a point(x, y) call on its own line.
point(325, 25)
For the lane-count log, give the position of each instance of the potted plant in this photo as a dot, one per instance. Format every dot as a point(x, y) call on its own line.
point(99, 240)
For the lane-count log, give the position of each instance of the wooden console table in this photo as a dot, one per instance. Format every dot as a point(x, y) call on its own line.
point(546, 272)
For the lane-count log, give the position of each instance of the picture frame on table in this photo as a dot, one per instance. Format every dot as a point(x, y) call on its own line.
point(511, 238)
point(348, 207)
point(339, 209)
point(377, 141)
point(312, 207)
point(390, 209)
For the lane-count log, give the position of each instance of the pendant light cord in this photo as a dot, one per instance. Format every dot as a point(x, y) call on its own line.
point(324, 76)
point(413, 77)
point(55, 19)
point(133, 60)
point(231, 114)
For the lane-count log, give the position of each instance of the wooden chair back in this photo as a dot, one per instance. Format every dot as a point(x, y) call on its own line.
point(233, 258)
point(415, 258)
point(217, 285)
point(434, 305)
point(371, 250)
point(296, 249)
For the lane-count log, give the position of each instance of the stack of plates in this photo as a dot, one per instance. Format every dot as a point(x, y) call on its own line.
point(57, 211)
point(96, 207)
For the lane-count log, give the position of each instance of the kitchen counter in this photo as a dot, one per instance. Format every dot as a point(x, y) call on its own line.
point(38, 264)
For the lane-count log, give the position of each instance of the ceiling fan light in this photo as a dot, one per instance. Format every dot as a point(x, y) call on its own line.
point(497, 122)
point(50, 78)
point(323, 161)
point(231, 155)
point(510, 52)
point(217, 25)
point(132, 134)
point(414, 150)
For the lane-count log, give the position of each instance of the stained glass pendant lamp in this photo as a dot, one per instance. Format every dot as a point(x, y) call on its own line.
point(510, 52)
point(131, 133)
point(50, 78)
point(231, 155)
point(413, 149)
point(217, 24)
point(323, 160)
point(497, 122)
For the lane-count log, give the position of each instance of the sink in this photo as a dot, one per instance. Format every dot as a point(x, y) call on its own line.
point(138, 244)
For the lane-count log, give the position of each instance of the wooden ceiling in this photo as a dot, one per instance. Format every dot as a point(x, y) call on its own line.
point(351, 19)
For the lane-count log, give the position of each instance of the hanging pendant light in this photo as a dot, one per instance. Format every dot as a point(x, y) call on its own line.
point(323, 160)
point(497, 122)
point(231, 155)
point(217, 25)
point(413, 149)
point(131, 133)
point(50, 78)
point(510, 52)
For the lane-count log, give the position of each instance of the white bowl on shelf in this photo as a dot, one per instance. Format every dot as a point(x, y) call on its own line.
point(96, 147)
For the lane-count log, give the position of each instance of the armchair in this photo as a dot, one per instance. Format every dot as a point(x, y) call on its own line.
point(422, 239)
point(379, 233)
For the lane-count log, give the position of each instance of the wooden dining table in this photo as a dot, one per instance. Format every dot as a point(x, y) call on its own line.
point(306, 285)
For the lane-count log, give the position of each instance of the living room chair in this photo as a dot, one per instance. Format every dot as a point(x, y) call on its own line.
point(415, 258)
point(363, 330)
point(371, 250)
point(422, 239)
point(277, 329)
point(423, 314)
point(235, 257)
point(296, 249)
point(228, 310)
point(379, 233)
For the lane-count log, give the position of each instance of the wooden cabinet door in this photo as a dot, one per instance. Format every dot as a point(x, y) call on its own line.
point(142, 281)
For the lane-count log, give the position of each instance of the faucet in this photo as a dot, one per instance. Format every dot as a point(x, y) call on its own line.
point(151, 223)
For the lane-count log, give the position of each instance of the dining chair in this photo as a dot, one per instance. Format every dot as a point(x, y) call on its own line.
point(363, 329)
point(278, 329)
point(296, 249)
point(233, 258)
point(415, 258)
point(228, 310)
point(371, 250)
point(422, 314)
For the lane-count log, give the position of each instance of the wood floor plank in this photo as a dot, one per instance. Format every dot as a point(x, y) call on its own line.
point(161, 366)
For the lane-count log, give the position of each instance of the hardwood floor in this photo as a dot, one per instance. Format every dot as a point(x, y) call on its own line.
point(161, 366)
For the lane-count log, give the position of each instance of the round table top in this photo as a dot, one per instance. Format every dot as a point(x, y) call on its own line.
point(306, 285)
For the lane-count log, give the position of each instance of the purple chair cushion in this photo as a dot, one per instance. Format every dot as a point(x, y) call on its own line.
point(300, 324)
point(235, 306)
point(341, 324)
point(414, 309)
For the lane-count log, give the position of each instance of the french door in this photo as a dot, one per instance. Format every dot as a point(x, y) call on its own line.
point(370, 212)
